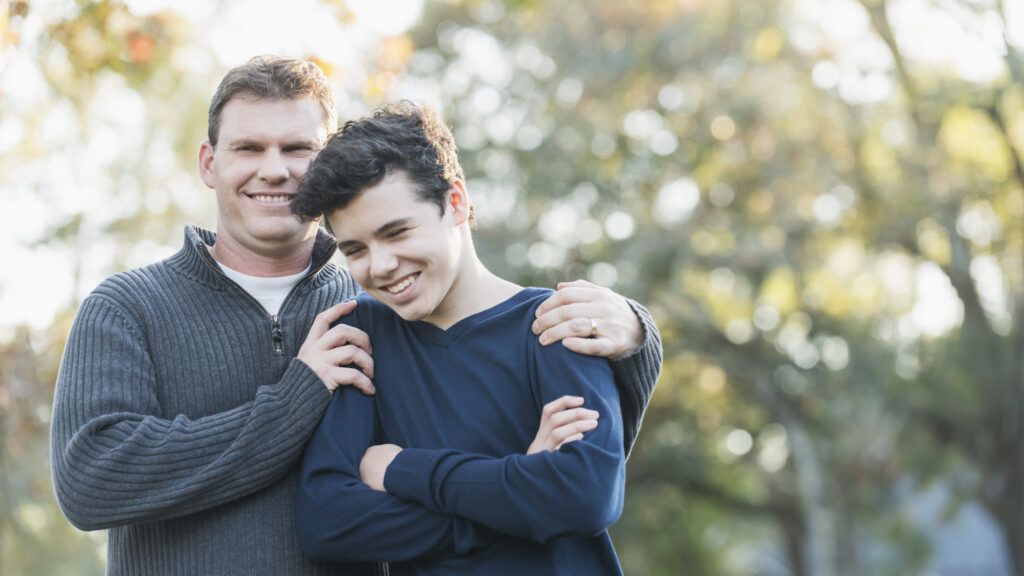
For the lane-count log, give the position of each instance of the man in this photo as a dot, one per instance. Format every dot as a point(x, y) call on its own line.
point(461, 385)
point(189, 388)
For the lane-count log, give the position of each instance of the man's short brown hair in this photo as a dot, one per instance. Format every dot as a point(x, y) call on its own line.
point(273, 78)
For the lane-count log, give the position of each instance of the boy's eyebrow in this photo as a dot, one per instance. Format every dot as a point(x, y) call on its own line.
point(343, 244)
point(381, 231)
point(391, 225)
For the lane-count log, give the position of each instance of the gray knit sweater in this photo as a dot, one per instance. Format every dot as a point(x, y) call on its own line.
point(181, 413)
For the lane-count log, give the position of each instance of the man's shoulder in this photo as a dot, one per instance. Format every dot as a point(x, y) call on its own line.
point(156, 281)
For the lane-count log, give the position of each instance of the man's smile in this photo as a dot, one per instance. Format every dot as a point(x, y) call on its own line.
point(271, 197)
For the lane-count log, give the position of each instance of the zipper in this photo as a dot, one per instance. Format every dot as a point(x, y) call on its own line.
point(276, 332)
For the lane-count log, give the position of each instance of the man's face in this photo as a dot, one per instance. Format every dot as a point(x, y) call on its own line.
point(263, 150)
point(401, 249)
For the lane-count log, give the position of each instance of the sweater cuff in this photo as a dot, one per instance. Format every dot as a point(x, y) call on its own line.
point(307, 385)
point(641, 369)
point(408, 475)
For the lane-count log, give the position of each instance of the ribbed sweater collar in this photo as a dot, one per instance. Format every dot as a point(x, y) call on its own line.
point(195, 261)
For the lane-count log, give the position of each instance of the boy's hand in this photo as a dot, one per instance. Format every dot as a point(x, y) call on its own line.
point(331, 352)
point(375, 463)
point(589, 319)
point(562, 421)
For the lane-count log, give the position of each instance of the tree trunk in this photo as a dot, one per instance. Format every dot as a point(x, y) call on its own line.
point(820, 553)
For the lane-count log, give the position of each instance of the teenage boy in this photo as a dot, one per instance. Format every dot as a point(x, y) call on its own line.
point(436, 474)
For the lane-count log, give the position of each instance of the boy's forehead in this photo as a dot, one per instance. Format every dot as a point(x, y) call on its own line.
point(379, 207)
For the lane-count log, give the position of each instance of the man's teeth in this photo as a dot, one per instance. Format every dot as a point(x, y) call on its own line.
point(271, 198)
point(399, 286)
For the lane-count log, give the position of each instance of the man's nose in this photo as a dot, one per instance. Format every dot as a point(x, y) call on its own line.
point(273, 167)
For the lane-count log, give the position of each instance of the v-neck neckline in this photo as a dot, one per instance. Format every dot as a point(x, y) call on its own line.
point(445, 337)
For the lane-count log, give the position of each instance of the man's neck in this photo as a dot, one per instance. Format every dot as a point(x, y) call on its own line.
point(269, 264)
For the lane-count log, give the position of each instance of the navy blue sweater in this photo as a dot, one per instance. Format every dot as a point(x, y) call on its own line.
point(462, 497)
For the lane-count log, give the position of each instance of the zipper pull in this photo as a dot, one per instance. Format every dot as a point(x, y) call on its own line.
point(277, 334)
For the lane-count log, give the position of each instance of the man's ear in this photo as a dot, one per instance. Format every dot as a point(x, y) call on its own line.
point(206, 164)
point(458, 200)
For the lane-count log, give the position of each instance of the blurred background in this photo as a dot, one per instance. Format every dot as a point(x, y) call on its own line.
point(821, 201)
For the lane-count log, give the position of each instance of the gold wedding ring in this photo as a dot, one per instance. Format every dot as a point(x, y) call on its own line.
point(593, 328)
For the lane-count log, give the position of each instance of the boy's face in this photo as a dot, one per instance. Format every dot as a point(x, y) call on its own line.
point(400, 248)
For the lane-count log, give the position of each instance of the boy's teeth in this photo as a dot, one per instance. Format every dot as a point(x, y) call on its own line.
point(269, 198)
point(399, 286)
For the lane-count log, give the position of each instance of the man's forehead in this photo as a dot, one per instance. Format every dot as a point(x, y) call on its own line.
point(257, 119)
point(248, 103)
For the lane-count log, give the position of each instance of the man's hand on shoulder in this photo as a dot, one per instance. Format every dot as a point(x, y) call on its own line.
point(589, 319)
point(334, 353)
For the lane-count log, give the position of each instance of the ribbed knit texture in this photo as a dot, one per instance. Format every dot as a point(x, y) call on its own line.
point(178, 424)
point(636, 376)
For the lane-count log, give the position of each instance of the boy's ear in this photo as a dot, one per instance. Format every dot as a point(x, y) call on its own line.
point(458, 200)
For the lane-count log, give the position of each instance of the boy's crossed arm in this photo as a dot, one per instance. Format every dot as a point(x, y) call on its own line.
point(344, 519)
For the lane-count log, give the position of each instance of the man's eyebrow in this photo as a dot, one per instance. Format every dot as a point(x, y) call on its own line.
point(243, 142)
point(310, 143)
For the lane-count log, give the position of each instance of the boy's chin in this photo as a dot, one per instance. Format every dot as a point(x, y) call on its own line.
point(406, 313)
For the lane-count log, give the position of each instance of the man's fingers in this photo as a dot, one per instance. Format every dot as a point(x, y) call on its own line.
point(352, 377)
point(322, 322)
point(552, 302)
point(589, 346)
point(343, 334)
point(578, 327)
point(345, 356)
point(562, 314)
point(568, 295)
point(578, 283)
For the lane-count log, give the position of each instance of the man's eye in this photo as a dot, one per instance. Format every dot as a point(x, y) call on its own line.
point(351, 252)
point(397, 233)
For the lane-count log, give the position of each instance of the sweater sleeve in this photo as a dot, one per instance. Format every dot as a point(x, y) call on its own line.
point(575, 491)
point(342, 519)
point(115, 461)
point(636, 376)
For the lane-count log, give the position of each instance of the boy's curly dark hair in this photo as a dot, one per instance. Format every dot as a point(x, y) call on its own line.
point(403, 136)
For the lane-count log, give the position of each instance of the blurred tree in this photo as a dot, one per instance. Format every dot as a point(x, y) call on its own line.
point(34, 536)
point(966, 201)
